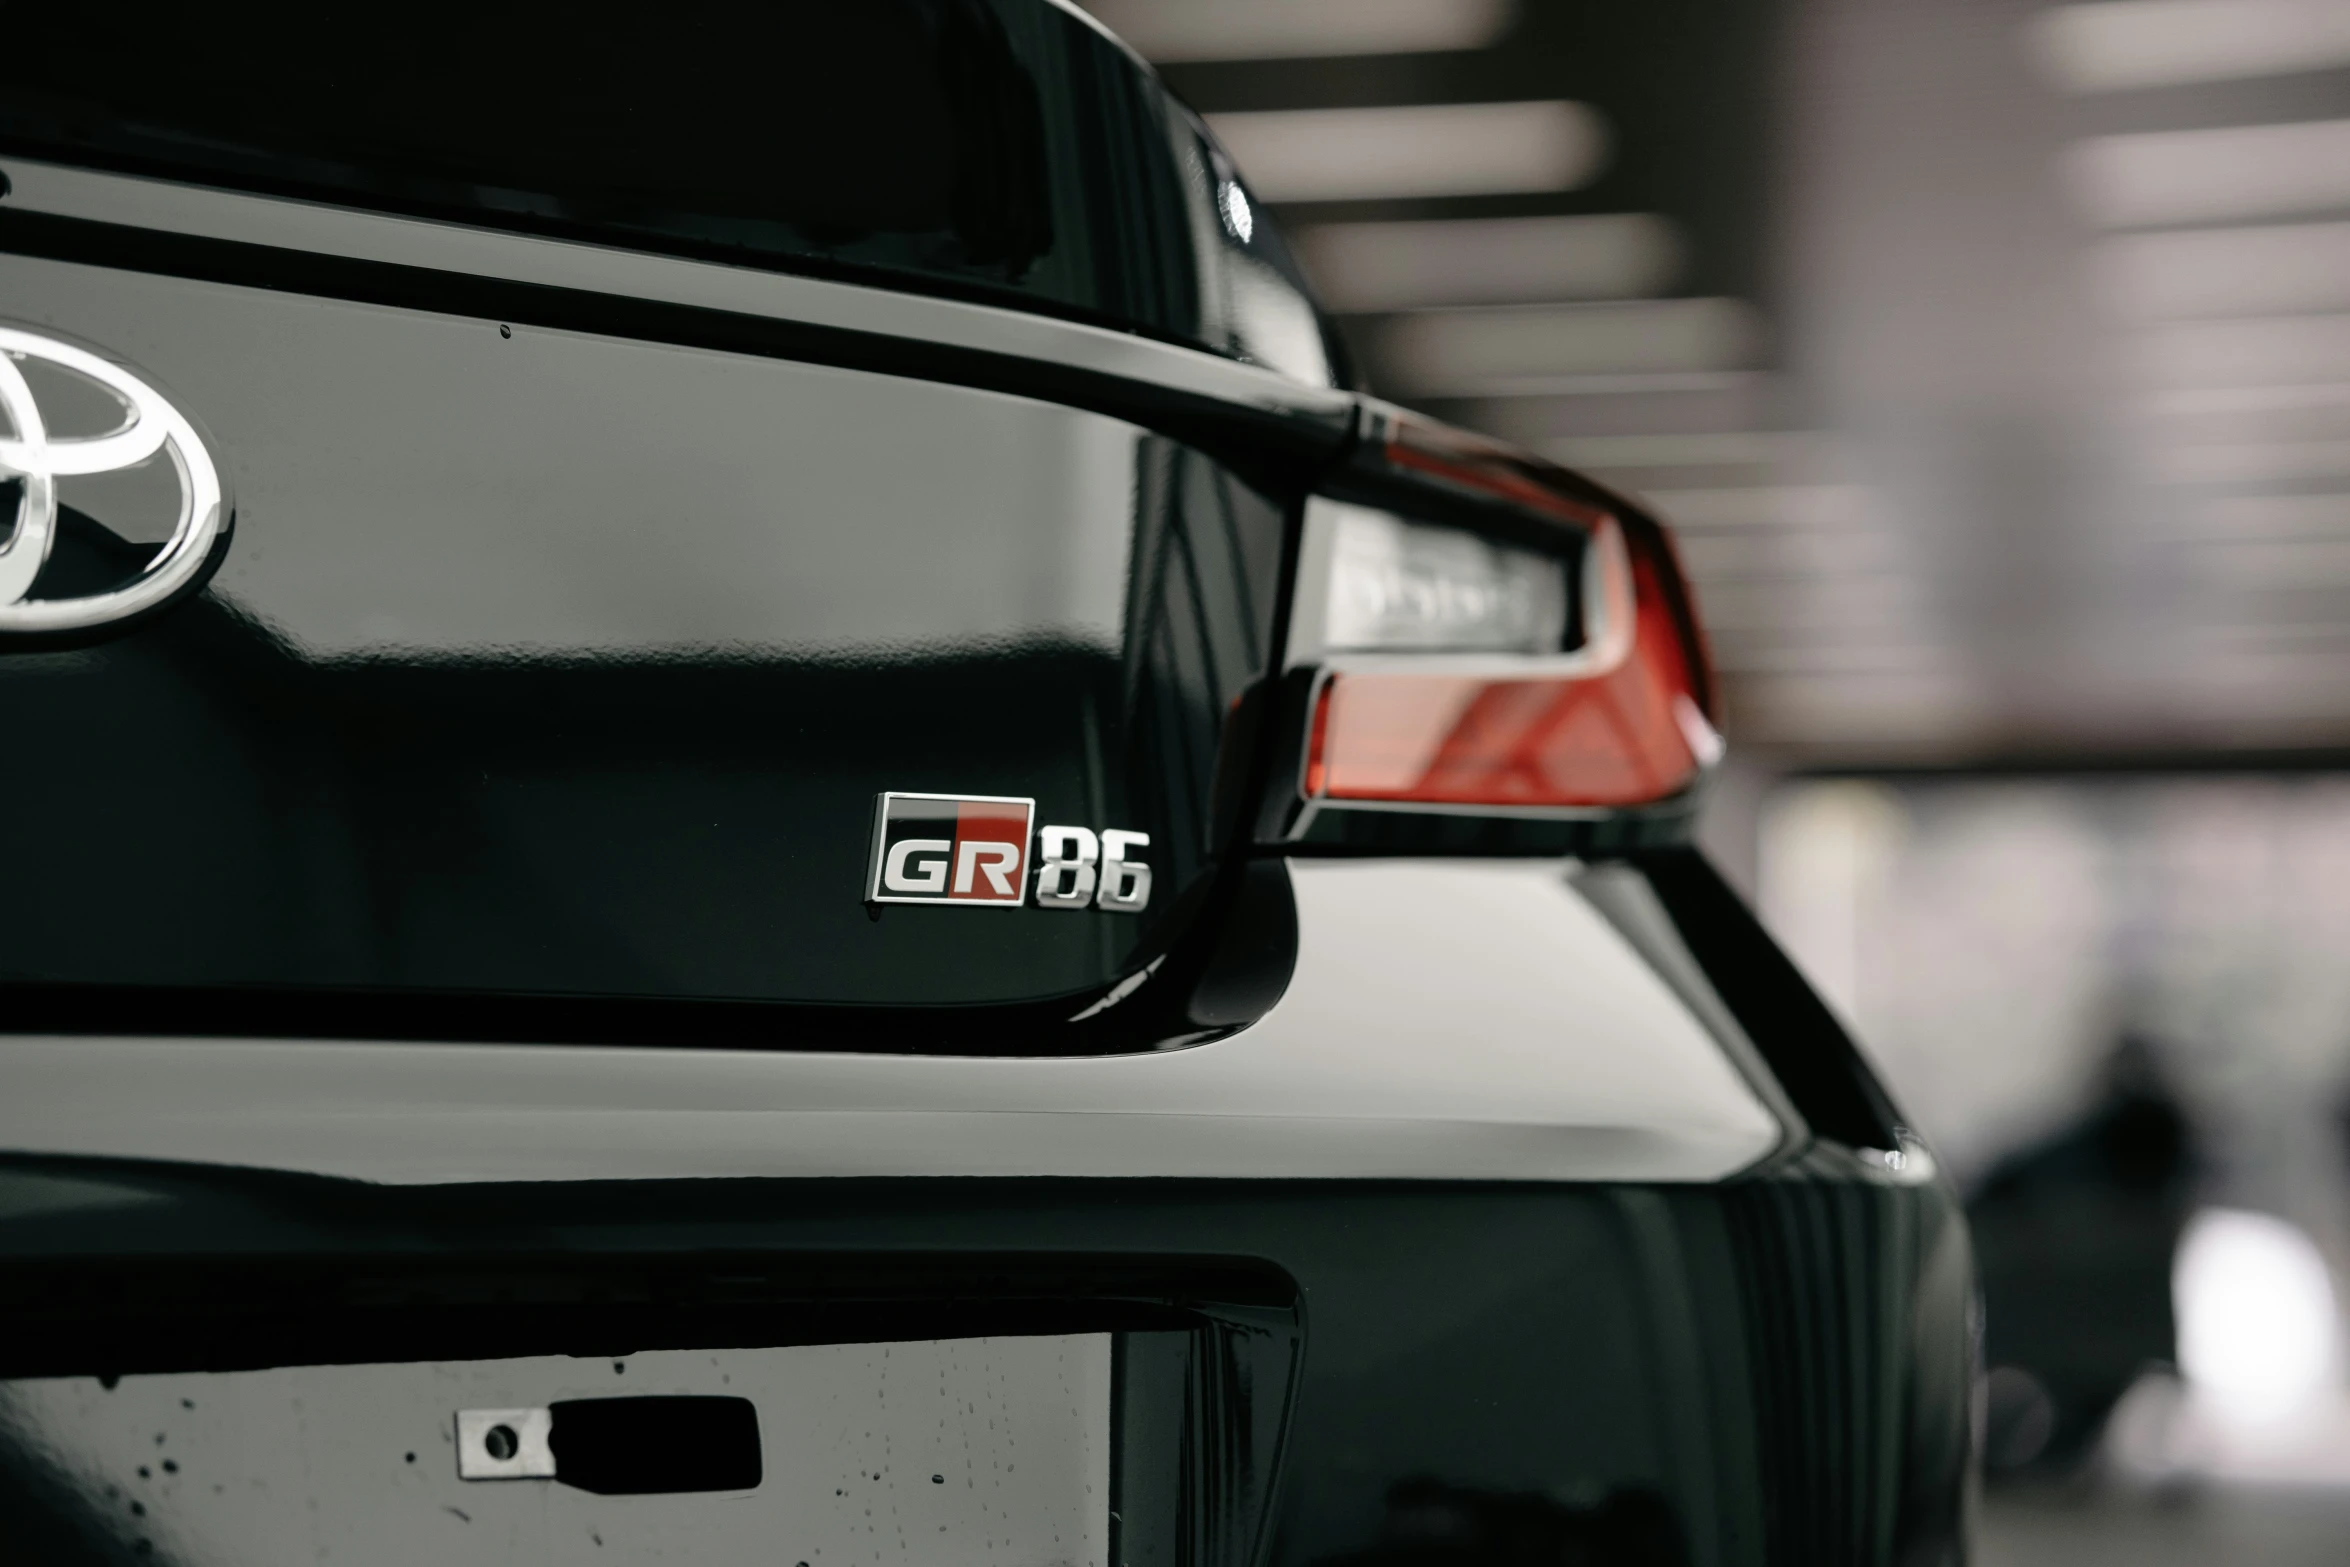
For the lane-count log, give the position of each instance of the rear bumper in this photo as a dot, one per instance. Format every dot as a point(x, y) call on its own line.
point(1774, 1369)
point(1446, 1021)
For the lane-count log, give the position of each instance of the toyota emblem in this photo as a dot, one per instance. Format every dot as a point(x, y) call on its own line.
point(67, 413)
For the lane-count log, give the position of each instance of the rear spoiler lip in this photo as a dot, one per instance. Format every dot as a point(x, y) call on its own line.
point(1254, 417)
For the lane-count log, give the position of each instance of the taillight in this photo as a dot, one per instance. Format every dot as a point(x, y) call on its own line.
point(1492, 637)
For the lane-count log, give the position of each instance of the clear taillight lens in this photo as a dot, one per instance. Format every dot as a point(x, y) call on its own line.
point(1457, 671)
point(1398, 586)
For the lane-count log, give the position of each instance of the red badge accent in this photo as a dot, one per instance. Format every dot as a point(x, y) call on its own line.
point(950, 848)
point(991, 852)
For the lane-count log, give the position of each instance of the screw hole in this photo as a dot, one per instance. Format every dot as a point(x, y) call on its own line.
point(501, 1443)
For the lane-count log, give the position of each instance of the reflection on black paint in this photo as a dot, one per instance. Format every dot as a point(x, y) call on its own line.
point(49, 1519)
point(985, 147)
point(220, 811)
point(1775, 1370)
point(1863, 1333)
point(1432, 1524)
point(86, 558)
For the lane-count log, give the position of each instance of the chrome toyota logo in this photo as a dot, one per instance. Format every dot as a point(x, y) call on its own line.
point(67, 415)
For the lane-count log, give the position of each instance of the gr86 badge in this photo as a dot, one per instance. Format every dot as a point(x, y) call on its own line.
point(976, 850)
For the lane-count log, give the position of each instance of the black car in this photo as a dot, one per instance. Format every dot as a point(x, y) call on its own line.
point(749, 820)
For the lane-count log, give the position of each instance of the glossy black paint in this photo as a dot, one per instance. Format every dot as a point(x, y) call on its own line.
point(1277, 445)
point(467, 845)
point(1000, 150)
point(684, 828)
point(414, 749)
point(1775, 1370)
point(1799, 1039)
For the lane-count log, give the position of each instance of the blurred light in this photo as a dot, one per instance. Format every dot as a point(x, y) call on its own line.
point(1485, 261)
point(1886, 602)
point(2245, 683)
point(2271, 630)
point(2205, 401)
point(2249, 422)
point(1451, 149)
point(2151, 1435)
point(1927, 708)
point(2263, 353)
point(2255, 1311)
point(2275, 563)
point(2229, 272)
point(1734, 400)
point(1908, 660)
point(1712, 449)
point(2204, 176)
point(2253, 462)
point(1828, 557)
point(1399, 586)
point(2158, 43)
point(1237, 215)
point(2278, 515)
point(1824, 851)
point(1621, 384)
point(1276, 29)
point(2019, 1419)
point(1523, 349)
point(1825, 506)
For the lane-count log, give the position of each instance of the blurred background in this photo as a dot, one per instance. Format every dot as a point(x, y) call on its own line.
point(1994, 359)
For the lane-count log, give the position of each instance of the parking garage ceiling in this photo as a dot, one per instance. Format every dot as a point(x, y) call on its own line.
point(1993, 358)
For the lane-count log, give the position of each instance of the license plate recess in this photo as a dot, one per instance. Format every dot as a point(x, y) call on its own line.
point(988, 1412)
